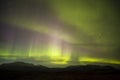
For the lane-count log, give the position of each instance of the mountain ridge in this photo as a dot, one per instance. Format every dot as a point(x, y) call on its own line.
point(21, 66)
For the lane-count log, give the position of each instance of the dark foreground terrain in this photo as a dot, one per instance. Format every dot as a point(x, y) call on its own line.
point(23, 71)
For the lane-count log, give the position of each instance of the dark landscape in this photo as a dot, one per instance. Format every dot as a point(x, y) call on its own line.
point(26, 71)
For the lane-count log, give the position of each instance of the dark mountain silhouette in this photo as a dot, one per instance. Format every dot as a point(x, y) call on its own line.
point(93, 69)
point(21, 66)
point(27, 71)
point(17, 64)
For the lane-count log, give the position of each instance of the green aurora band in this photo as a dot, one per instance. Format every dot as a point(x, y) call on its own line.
point(60, 32)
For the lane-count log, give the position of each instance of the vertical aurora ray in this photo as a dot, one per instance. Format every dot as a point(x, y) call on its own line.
point(49, 46)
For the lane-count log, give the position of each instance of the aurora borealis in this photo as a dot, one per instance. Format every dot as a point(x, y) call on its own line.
point(60, 32)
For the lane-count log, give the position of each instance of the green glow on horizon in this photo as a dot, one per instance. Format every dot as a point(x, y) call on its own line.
point(61, 60)
point(99, 60)
point(54, 51)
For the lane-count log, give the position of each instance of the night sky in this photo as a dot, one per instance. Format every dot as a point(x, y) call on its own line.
point(60, 32)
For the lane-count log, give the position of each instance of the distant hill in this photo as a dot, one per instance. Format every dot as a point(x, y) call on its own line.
point(21, 66)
